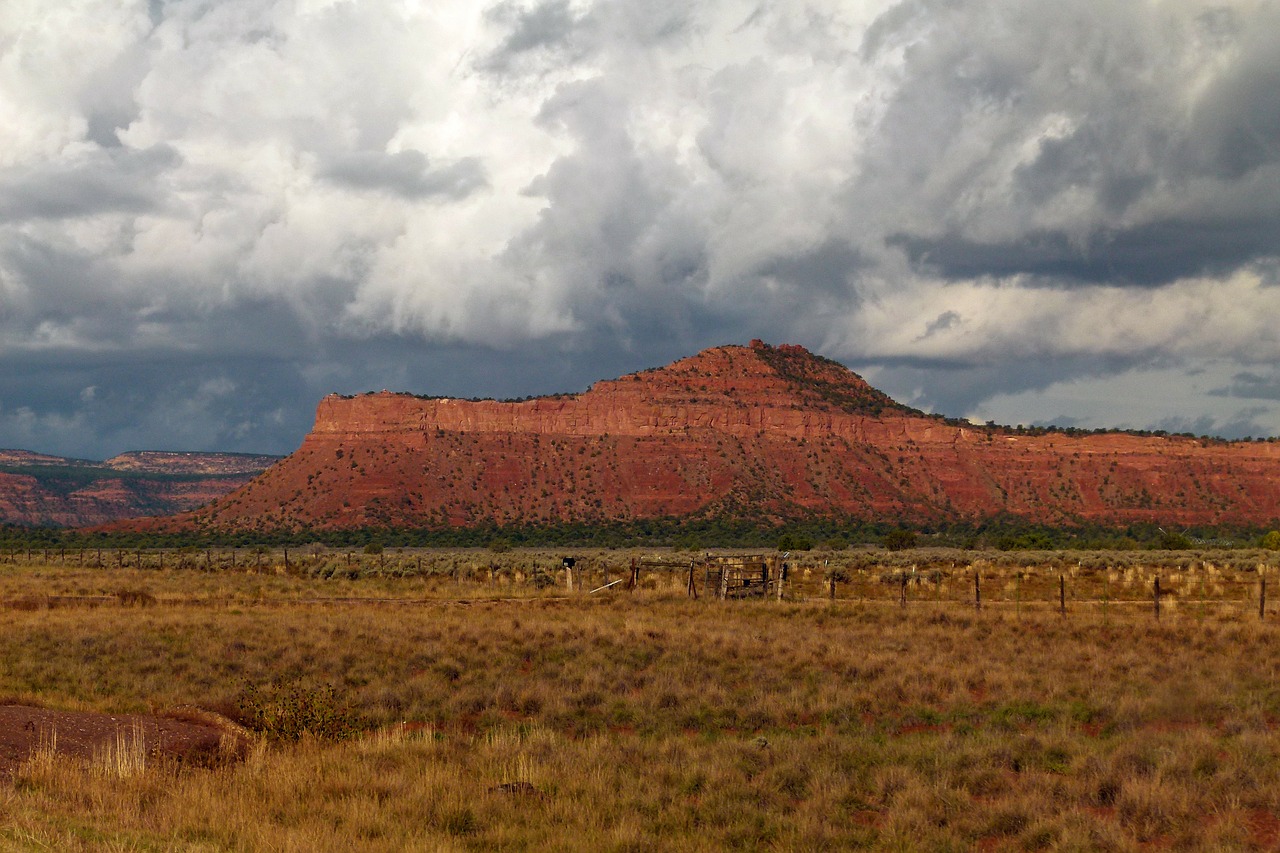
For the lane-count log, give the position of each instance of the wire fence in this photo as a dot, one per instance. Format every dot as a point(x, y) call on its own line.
point(1197, 587)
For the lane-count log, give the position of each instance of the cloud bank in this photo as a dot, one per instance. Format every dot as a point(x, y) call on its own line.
point(213, 213)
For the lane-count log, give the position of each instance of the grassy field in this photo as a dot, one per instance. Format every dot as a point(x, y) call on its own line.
point(469, 701)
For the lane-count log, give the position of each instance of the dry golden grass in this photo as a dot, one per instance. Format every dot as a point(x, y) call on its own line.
point(498, 715)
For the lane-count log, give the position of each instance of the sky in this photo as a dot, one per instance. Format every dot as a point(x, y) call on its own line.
point(215, 212)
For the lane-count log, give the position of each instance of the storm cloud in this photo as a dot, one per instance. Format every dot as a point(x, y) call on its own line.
point(211, 214)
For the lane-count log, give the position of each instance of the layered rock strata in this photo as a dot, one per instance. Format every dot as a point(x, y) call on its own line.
point(756, 432)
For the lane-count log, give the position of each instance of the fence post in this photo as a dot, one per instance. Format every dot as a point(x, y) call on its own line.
point(1106, 593)
point(977, 590)
point(1062, 594)
point(693, 589)
point(1262, 598)
point(1157, 596)
point(902, 594)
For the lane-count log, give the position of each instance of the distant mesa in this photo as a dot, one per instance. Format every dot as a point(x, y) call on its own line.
point(757, 433)
point(41, 490)
point(178, 462)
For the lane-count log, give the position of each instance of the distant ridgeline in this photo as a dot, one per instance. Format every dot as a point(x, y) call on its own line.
point(42, 490)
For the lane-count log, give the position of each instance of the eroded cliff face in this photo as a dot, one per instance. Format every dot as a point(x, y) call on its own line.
point(756, 432)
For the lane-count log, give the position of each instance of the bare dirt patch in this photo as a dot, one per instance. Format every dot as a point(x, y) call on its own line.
point(188, 736)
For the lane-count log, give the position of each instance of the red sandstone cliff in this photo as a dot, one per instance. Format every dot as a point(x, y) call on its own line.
point(756, 432)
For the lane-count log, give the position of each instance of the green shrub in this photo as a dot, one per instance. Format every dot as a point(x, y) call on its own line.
point(899, 540)
point(790, 542)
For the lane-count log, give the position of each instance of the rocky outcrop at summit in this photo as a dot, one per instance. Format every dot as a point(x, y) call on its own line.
point(756, 433)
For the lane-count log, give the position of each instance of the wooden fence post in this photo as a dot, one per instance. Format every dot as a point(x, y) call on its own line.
point(1262, 598)
point(1106, 594)
point(902, 594)
point(977, 590)
point(1062, 595)
point(692, 591)
point(1157, 596)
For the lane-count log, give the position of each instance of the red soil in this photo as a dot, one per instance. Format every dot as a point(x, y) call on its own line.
point(84, 735)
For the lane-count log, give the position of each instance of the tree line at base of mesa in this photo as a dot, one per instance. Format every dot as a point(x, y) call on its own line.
point(1004, 534)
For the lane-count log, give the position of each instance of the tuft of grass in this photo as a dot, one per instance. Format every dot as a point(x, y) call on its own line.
point(124, 758)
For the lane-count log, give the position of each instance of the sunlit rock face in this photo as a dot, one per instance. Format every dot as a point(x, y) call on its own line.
point(753, 432)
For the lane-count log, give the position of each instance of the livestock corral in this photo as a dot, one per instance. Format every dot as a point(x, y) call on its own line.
point(635, 700)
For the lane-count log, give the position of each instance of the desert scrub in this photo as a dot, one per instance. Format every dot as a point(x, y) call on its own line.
point(289, 709)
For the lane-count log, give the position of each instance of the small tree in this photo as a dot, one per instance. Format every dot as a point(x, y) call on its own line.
point(1171, 541)
point(1271, 541)
point(791, 542)
point(900, 540)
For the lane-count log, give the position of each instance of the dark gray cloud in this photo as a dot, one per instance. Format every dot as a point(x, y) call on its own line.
point(109, 180)
point(1151, 254)
point(407, 173)
point(547, 27)
point(554, 32)
point(1078, 142)
point(1251, 385)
